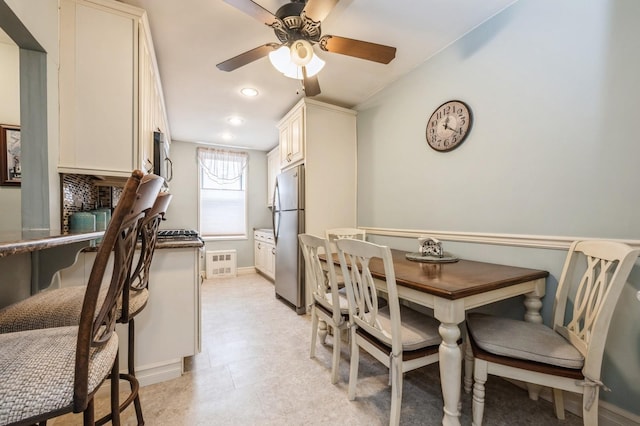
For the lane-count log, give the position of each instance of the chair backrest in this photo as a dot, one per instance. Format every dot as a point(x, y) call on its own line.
point(339, 233)
point(97, 320)
point(312, 248)
point(148, 235)
point(355, 259)
point(335, 234)
point(596, 272)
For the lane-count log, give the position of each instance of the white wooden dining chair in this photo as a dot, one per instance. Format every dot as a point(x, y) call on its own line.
point(335, 234)
point(399, 337)
point(329, 304)
point(567, 355)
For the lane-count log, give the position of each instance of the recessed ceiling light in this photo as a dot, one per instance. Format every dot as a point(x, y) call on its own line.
point(235, 120)
point(227, 136)
point(249, 92)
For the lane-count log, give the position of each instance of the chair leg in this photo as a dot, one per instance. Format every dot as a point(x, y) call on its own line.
point(115, 391)
point(353, 367)
point(534, 391)
point(314, 331)
point(590, 417)
point(395, 370)
point(468, 366)
point(337, 343)
point(558, 403)
point(480, 378)
point(88, 415)
point(132, 371)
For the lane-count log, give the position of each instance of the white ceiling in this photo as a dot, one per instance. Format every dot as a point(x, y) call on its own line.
point(192, 36)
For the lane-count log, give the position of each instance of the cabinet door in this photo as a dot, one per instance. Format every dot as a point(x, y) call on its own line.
point(285, 136)
point(152, 114)
point(271, 261)
point(147, 106)
point(292, 138)
point(98, 89)
point(296, 138)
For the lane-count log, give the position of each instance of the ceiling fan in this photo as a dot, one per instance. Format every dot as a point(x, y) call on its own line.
point(297, 27)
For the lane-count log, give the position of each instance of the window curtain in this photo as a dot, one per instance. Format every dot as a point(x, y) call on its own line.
point(222, 166)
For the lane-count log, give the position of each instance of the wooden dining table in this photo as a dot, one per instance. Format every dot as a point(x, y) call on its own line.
point(451, 289)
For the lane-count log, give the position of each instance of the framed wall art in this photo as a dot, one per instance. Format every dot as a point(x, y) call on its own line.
point(10, 165)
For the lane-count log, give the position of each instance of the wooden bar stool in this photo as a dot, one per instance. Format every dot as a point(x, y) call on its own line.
point(62, 307)
point(52, 371)
point(135, 298)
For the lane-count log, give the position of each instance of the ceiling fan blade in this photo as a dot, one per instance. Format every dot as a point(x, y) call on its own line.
point(247, 57)
point(254, 10)
point(359, 49)
point(317, 10)
point(311, 85)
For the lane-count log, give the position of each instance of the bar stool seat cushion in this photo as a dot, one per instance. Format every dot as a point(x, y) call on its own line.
point(29, 386)
point(58, 308)
point(50, 308)
point(137, 301)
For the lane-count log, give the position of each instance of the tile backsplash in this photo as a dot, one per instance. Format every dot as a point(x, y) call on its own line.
point(80, 193)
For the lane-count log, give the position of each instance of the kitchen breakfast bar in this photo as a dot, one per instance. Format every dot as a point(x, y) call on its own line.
point(43, 253)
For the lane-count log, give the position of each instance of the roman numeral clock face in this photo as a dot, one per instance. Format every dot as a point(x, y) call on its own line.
point(448, 126)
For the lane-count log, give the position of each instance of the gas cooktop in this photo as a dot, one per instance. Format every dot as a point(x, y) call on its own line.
point(178, 234)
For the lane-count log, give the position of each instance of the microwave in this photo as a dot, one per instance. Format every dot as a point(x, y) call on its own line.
point(162, 165)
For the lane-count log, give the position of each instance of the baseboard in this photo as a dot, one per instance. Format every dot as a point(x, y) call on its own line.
point(608, 414)
point(245, 270)
point(155, 373)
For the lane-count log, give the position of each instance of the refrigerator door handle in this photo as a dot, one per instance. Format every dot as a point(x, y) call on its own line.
point(275, 210)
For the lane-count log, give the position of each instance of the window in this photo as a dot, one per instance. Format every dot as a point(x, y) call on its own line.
point(223, 193)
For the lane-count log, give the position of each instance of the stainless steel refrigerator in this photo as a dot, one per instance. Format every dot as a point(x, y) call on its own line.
point(288, 222)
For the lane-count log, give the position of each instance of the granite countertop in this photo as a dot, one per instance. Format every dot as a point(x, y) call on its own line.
point(16, 242)
point(164, 244)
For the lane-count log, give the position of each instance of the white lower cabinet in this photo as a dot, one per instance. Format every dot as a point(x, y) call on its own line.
point(168, 328)
point(265, 253)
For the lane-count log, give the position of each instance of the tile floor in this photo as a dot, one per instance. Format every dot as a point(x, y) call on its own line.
point(254, 369)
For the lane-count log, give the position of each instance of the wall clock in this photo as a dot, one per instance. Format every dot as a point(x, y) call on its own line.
point(449, 126)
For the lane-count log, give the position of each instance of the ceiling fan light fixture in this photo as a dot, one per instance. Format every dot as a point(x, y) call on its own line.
point(289, 61)
point(314, 66)
point(281, 59)
point(301, 52)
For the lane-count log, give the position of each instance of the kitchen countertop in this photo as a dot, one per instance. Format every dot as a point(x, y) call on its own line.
point(165, 244)
point(179, 244)
point(16, 242)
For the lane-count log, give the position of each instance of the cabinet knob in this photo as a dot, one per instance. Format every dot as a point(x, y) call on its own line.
point(289, 157)
point(259, 247)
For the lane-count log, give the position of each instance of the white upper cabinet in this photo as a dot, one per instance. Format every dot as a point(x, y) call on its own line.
point(110, 96)
point(292, 135)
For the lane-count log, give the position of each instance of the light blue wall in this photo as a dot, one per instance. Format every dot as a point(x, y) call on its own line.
point(554, 148)
point(183, 211)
